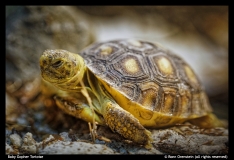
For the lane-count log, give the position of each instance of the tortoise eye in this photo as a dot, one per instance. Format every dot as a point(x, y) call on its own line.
point(57, 63)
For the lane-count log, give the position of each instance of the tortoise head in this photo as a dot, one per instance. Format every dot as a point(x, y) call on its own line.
point(61, 67)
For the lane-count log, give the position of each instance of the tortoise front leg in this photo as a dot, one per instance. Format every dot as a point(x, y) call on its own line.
point(77, 108)
point(121, 121)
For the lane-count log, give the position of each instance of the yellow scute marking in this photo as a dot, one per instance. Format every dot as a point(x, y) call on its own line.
point(148, 98)
point(190, 74)
point(165, 66)
point(135, 43)
point(169, 100)
point(168, 103)
point(105, 50)
point(131, 66)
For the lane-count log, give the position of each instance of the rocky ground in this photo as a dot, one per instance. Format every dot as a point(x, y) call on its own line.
point(188, 140)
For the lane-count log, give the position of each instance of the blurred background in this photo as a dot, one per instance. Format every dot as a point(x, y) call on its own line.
point(199, 34)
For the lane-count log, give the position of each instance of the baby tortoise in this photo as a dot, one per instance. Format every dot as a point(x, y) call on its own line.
point(133, 85)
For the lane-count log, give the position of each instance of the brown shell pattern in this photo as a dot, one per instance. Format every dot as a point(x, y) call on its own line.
point(149, 75)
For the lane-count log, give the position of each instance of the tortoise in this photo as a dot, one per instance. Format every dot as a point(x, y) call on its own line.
point(133, 85)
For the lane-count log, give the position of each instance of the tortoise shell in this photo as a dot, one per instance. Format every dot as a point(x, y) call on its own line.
point(152, 80)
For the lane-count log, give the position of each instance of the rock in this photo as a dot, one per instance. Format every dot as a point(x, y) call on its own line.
point(52, 145)
point(61, 147)
point(187, 140)
point(10, 150)
point(29, 145)
point(16, 141)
